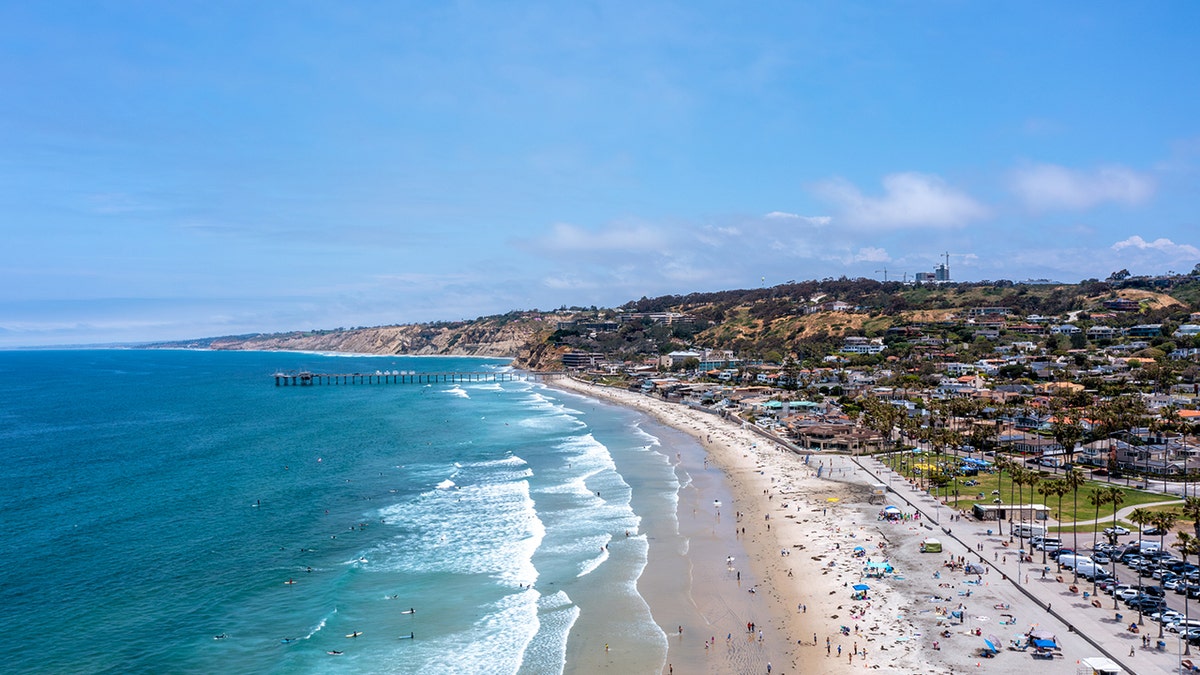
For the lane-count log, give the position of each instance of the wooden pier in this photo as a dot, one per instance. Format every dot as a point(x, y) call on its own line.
point(307, 379)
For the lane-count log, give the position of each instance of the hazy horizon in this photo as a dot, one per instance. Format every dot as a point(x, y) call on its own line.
point(193, 170)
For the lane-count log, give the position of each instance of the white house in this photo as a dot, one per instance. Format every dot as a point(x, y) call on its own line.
point(1187, 330)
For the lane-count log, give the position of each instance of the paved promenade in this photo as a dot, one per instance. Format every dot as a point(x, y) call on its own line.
point(1083, 629)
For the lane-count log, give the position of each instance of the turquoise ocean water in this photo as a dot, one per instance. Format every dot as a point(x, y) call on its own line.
point(155, 500)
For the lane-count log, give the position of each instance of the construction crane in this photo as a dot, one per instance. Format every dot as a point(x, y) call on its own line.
point(884, 271)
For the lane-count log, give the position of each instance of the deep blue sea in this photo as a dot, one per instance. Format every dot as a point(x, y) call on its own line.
point(175, 511)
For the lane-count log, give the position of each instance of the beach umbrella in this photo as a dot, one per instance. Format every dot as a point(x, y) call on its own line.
point(859, 548)
point(1041, 635)
point(993, 643)
point(861, 587)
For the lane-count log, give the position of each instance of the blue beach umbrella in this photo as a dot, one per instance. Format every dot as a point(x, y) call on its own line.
point(861, 587)
point(990, 645)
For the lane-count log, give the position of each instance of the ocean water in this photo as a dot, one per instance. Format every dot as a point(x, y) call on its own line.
point(174, 511)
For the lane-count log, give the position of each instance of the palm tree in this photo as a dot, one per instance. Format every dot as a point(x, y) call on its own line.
point(1142, 518)
point(1191, 511)
point(1073, 480)
point(1046, 489)
point(1066, 431)
point(1002, 463)
point(1164, 521)
point(1097, 497)
point(1187, 545)
point(1016, 478)
point(1032, 478)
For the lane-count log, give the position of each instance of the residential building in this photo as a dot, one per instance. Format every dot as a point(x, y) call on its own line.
point(1144, 330)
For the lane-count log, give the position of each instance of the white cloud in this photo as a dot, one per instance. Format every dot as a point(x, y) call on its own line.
point(870, 254)
point(565, 237)
point(808, 220)
point(1161, 245)
point(1049, 186)
point(910, 200)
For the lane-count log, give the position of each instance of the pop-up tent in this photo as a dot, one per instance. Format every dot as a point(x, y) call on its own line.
point(931, 545)
point(878, 569)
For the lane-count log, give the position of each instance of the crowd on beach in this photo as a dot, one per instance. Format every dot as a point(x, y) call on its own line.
point(919, 612)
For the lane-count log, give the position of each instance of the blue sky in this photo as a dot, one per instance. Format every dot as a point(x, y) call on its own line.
point(187, 169)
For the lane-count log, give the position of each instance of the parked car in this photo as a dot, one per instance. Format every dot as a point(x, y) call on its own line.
point(1118, 530)
point(1182, 625)
point(1147, 604)
point(1167, 616)
point(1126, 592)
point(1153, 532)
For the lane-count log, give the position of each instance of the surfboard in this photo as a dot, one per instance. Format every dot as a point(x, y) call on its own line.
point(333, 652)
point(409, 611)
point(354, 634)
point(289, 582)
point(406, 637)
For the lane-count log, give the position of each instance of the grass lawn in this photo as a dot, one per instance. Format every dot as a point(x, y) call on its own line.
point(981, 493)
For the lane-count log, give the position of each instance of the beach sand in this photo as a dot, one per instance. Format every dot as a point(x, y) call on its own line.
point(800, 531)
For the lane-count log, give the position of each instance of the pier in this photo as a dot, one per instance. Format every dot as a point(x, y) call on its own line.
point(307, 379)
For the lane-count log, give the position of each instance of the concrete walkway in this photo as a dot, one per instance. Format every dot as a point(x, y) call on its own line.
point(1124, 513)
point(1067, 613)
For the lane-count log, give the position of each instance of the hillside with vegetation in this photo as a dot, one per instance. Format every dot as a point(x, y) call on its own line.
point(805, 320)
point(812, 318)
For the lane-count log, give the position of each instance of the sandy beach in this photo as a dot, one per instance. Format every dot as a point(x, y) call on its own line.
point(798, 520)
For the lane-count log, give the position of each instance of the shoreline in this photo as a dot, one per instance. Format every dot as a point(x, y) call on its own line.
point(714, 596)
point(929, 617)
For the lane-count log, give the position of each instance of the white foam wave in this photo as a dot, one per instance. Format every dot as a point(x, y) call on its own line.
point(590, 565)
point(458, 391)
point(446, 484)
point(479, 529)
point(494, 644)
point(651, 439)
point(320, 624)
point(547, 651)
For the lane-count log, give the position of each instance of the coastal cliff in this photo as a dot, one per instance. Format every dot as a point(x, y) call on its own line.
point(520, 336)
